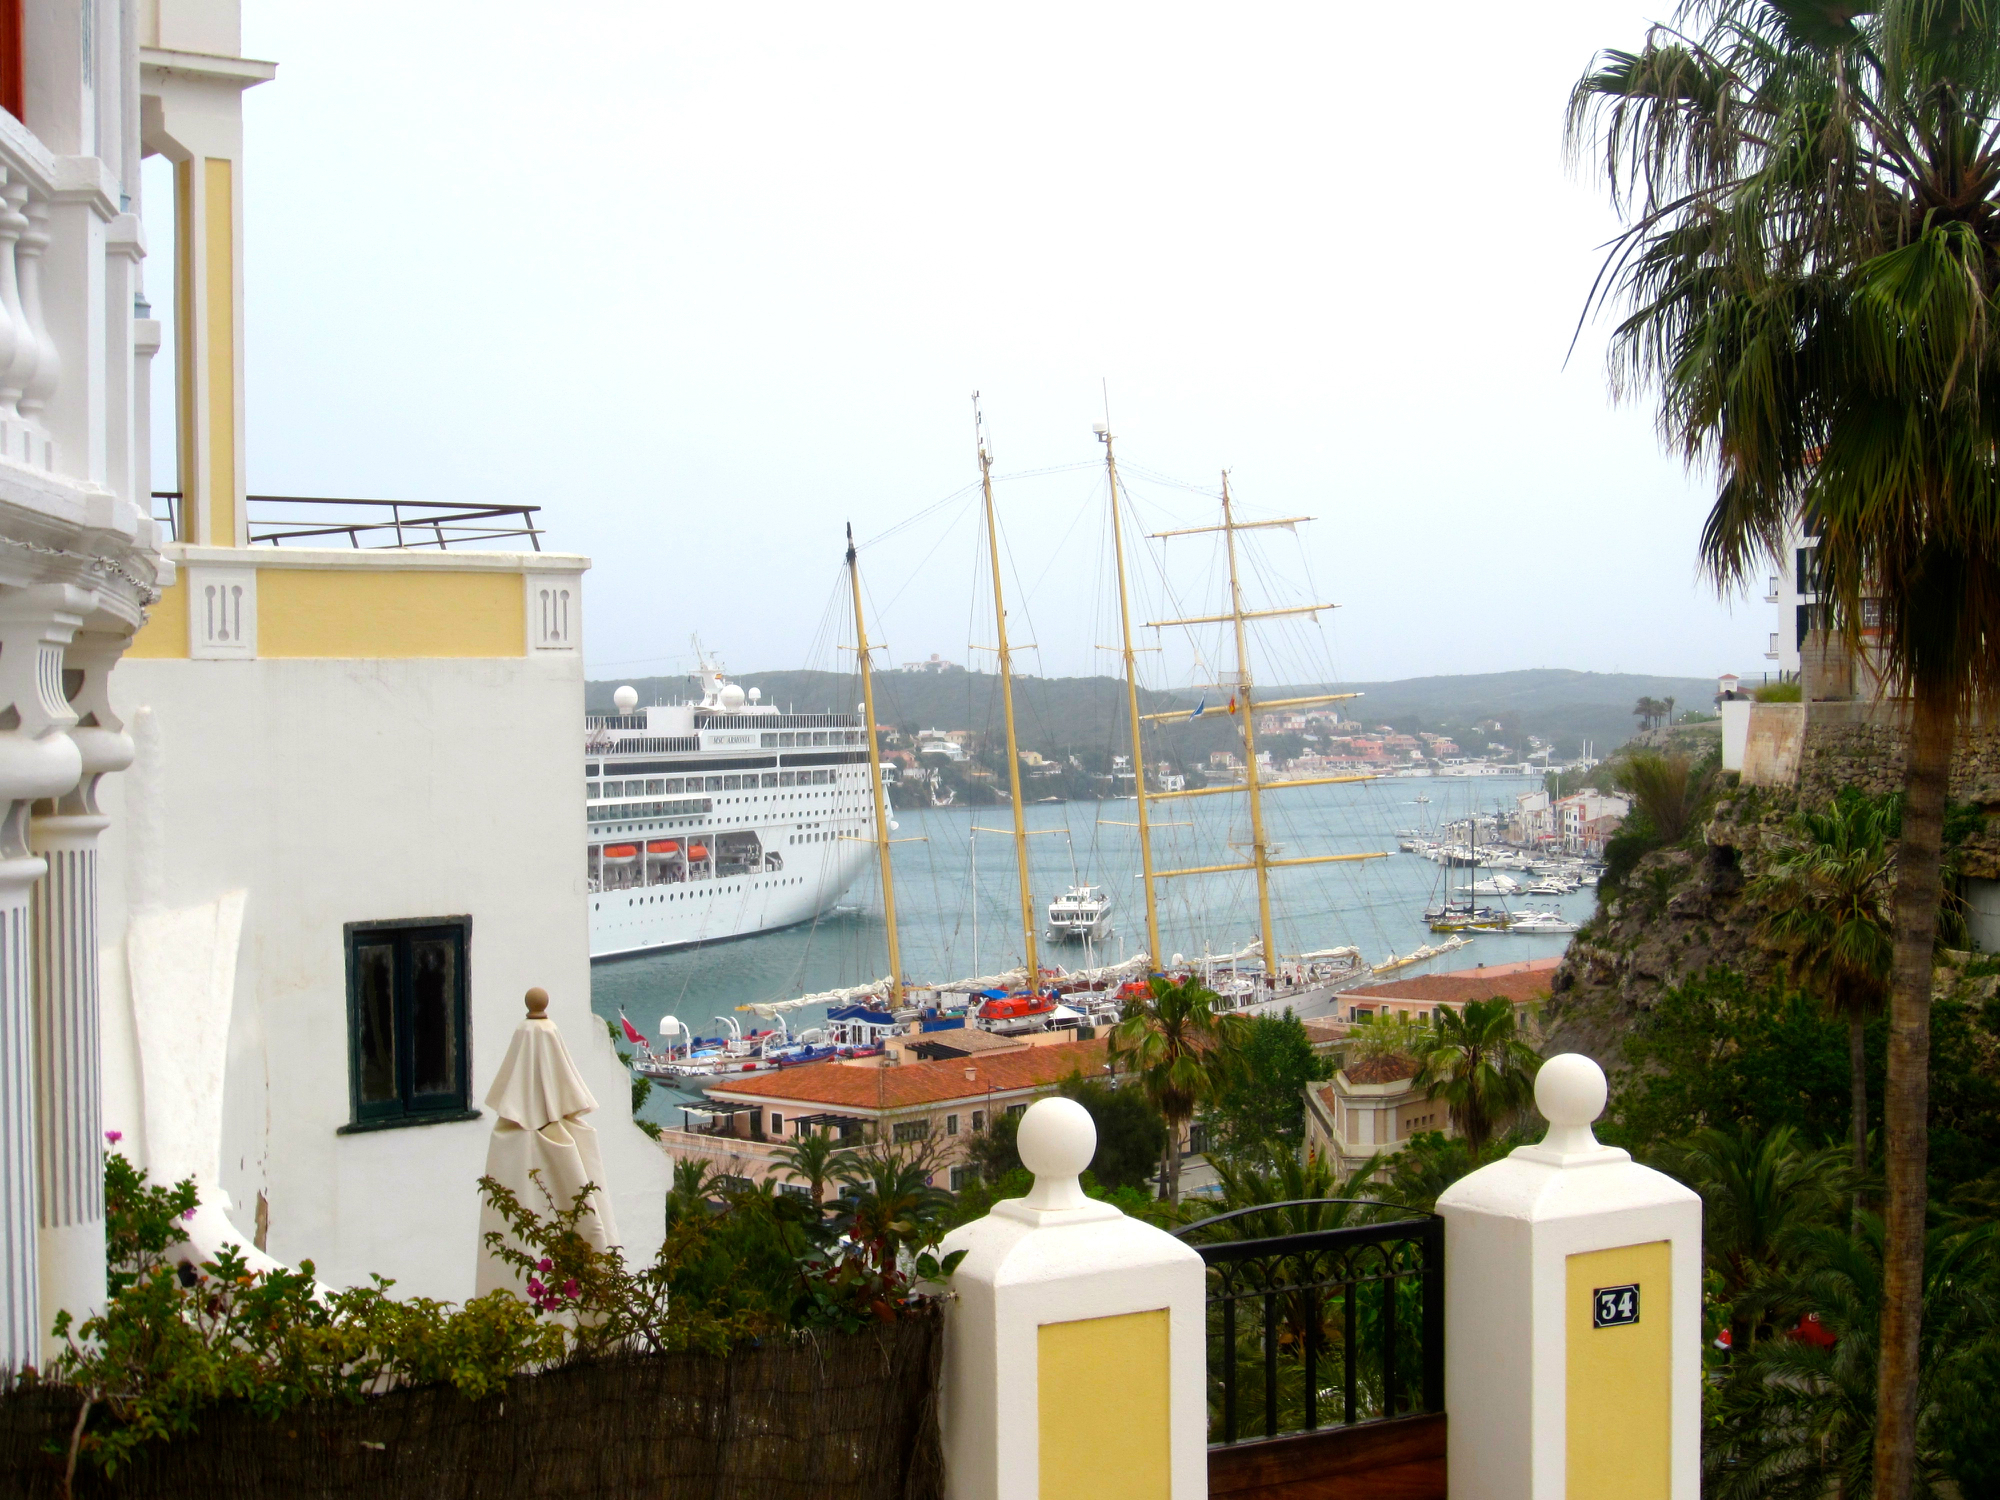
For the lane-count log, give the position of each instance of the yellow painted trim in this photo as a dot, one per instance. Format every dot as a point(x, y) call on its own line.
point(394, 613)
point(187, 479)
point(165, 633)
point(219, 283)
point(1620, 1380)
point(1102, 1391)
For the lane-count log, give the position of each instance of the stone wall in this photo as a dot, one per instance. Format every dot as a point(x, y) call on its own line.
point(1867, 751)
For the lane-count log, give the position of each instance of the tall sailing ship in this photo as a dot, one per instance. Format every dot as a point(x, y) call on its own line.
point(719, 818)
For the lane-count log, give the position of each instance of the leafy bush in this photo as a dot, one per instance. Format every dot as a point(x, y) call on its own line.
point(177, 1339)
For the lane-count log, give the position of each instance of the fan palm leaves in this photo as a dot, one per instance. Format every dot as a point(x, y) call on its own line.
point(892, 1207)
point(816, 1160)
point(1671, 791)
point(1826, 892)
point(1759, 1191)
point(1801, 1421)
point(1808, 278)
point(1481, 1069)
point(1180, 1048)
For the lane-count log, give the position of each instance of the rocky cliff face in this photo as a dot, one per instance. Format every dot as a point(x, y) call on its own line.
point(1680, 911)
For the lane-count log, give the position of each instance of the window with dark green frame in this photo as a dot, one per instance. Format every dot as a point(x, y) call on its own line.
point(408, 1029)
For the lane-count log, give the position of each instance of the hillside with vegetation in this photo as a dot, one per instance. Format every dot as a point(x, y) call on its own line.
point(1086, 715)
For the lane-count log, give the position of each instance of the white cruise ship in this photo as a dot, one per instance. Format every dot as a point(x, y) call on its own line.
point(718, 819)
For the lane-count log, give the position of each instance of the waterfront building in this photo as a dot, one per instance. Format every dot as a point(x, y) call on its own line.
point(927, 1090)
point(1420, 996)
point(349, 838)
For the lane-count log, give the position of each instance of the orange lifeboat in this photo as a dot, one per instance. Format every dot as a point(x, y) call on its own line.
point(697, 851)
point(664, 847)
point(620, 854)
point(1016, 1008)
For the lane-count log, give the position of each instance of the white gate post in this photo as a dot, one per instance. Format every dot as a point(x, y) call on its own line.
point(1075, 1359)
point(1572, 1316)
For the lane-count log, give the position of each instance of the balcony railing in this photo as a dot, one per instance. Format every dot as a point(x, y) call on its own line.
point(387, 524)
point(1327, 1328)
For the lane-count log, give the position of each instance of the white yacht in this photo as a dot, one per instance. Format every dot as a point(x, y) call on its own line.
point(1082, 911)
point(719, 818)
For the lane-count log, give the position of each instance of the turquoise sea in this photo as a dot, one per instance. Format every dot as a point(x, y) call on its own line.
point(958, 909)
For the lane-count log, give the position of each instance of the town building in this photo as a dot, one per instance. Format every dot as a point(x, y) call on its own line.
point(1371, 1107)
point(944, 1098)
point(1586, 821)
point(1526, 983)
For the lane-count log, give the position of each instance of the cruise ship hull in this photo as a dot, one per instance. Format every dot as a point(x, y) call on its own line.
point(720, 819)
point(652, 919)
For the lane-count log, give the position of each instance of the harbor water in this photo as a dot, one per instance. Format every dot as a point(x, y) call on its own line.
point(958, 904)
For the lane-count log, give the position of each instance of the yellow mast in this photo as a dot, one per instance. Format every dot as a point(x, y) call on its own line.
point(1153, 954)
point(1260, 856)
point(875, 777)
point(1261, 859)
point(1007, 705)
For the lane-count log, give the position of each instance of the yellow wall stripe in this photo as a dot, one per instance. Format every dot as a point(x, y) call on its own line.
point(219, 282)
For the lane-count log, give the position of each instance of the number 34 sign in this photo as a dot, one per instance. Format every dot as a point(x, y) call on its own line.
point(1614, 1306)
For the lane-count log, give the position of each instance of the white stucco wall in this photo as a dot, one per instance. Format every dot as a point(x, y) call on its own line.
point(336, 791)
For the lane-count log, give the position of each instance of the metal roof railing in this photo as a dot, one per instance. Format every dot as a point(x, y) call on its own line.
point(388, 525)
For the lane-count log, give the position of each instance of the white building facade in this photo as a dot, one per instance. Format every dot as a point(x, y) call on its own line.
point(79, 568)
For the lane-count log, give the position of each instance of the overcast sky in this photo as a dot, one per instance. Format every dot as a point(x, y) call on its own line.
point(708, 282)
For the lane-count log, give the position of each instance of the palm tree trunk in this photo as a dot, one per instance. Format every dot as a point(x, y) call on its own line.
point(1906, 1094)
point(1857, 1073)
point(1174, 1161)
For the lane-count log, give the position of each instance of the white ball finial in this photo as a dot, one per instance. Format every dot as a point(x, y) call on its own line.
point(1057, 1140)
point(1570, 1092)
point(626, 699)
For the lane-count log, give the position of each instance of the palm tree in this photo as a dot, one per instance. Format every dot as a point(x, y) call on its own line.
point(692, 1185)
point(893, 1205)
point(815, 1160)
point(1668, 789)
point(1479, 1066)
point(1827, 895)
point(1390, 1033)
point(1810, 273)
point(1647, 710)
point(1759, 1190)
point(1320, 1197)
point(1180, 1048)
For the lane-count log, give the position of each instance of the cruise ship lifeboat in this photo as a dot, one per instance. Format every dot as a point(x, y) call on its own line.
point(662, 847)
point(697, 852)
point(620, 854)
point(1016, 1007)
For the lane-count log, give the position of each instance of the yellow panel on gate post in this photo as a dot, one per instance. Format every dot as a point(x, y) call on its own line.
point(1075, 1349)
point(1115, 1445)
point(1572, 1306)
point(1619, 1308)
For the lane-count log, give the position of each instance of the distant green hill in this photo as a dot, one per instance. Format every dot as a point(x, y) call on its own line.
point(1086, 715)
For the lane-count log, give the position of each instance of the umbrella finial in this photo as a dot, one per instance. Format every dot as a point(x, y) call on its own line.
point(538, 1004)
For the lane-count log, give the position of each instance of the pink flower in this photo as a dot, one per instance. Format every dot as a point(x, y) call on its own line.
point(114, 1136)
point(535, 1287)
point(546, 1265)
point(188, 1215)
point(570, 1289)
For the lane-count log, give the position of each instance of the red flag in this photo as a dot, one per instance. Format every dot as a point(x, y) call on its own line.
point(1232, 703)
point(631, 1031)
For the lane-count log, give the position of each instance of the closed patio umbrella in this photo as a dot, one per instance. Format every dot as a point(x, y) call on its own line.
point(540, 1099)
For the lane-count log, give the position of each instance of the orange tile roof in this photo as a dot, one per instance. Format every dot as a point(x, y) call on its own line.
point(917, 1084)
point(1384, 1067)
point(1518, 982)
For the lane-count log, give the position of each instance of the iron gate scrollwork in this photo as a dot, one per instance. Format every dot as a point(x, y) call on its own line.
point(1324, 1328)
